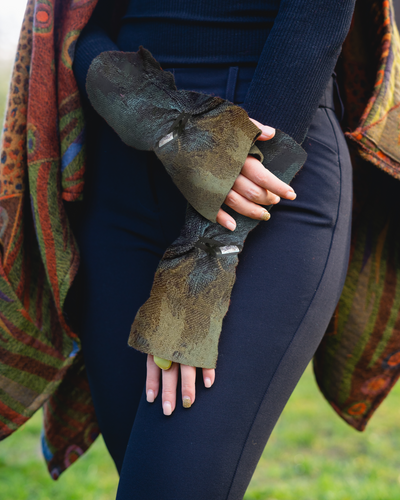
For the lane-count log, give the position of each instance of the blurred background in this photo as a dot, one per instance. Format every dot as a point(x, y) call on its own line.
point(312, 454)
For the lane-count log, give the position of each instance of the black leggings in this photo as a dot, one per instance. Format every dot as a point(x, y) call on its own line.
point(289, 279)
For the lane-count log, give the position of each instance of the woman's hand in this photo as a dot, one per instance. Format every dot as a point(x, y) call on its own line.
point(254, 186)
point(170, 382)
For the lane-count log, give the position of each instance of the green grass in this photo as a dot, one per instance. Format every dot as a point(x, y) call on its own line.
point(24, 476)
point(312, 454)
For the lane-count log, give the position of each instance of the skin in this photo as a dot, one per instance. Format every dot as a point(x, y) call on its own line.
point(254, 186)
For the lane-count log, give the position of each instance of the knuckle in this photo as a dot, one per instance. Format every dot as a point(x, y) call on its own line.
point(187, 387)
point(260, 178)
point(252, 194)
point(168, 392)
point(254, 213)
point(231, 198)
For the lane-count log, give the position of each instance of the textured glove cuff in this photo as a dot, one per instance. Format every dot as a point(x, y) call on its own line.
point(182, 319)
point(202, 140)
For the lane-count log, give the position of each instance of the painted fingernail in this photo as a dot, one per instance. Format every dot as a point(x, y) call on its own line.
point(150, 396)
point(164, 364)
point(167, 408)
point(187, 403)
point(230, 225)
point(266, 215)
point(207, 382)
point(291, 195)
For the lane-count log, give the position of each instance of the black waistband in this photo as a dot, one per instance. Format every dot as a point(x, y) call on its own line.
point(327, 100)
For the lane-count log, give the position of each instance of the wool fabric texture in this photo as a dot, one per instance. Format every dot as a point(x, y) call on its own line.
point(182, 319)
point(298, 56)
point(42, 165)
point(140, 102)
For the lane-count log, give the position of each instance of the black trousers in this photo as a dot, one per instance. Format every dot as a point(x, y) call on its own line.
point(289, 280)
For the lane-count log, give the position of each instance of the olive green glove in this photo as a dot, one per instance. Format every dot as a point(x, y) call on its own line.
point(182, 319)
point(202, 141)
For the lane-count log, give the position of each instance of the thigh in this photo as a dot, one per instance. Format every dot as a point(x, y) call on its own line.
point(120, 242)
point(289, 279)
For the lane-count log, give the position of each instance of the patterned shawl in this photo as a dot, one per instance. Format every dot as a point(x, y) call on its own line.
point(42, 164)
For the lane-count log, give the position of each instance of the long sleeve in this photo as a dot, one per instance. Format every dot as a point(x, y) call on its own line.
point(296, 63)
point(93, 40)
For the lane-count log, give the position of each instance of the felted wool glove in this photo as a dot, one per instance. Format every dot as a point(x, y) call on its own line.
point(182, 319)
point(202, 140)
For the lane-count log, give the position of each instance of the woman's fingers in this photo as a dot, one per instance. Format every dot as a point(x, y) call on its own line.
point(256, 172)
point(267, 132)
point(254, 186)
point(188, 381)
point(245, 207)
point(208, 377)
point(152, 379)
point(169, 385)
point(247, 188)
point(225, 220)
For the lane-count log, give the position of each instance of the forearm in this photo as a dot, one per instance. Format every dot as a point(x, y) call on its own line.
point(296, 63)
point(93, 40)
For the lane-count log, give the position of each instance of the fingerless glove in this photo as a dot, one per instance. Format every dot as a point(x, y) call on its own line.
point(203, 142)
point(182, 319)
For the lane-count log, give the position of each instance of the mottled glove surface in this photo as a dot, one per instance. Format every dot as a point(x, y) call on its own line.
point(203, 142)
point(182, 319)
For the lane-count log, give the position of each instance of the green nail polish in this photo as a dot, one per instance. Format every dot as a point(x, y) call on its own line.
point(164, 364)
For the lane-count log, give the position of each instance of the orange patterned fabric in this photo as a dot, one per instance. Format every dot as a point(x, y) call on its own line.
point(42, 164)
point(358, 361)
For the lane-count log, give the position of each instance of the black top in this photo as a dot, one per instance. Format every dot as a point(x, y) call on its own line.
point(294, 44)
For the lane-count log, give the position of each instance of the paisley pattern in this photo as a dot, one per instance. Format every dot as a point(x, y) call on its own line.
point(43, 18)
point(42, 164)
point(358, 361)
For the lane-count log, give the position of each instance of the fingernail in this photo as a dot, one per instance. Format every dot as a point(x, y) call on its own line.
point(268, 131)
point(291, 195)
point(207, 382)
point(187, 403)
point(167, 408)
point(164, 364)
point(230, 225)
point(266, 215)
point(276, 199)
point(150, 396)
